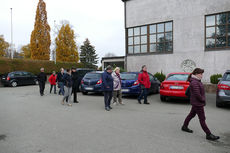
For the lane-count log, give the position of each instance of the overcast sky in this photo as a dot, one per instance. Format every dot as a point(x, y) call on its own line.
point(102, 21)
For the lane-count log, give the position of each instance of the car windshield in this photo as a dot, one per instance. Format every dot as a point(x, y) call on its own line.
point(128, 76)
point(93, 76)
point(178, 77)
point(226, 77)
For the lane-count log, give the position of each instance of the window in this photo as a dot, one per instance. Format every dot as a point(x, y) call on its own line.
point(217, 31)
point(150, 38)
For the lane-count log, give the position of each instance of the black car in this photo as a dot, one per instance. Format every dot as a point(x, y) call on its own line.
point(18, 78)
point(131, 86)
point(223, 90)
point(92, 82)
point(81, 73)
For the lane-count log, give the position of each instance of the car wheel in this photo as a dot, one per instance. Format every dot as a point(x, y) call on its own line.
point(14, 84)
point(84, 92)
point(163, 98)
point(218, 104)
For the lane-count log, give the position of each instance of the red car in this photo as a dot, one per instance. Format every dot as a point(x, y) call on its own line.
point(174, 86)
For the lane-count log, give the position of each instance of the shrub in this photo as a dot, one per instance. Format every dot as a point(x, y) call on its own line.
point(214, 78)
point(33, 66)
point(160, 76)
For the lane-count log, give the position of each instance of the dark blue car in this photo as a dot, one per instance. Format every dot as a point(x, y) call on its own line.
point(131, 86)
point(91, 82)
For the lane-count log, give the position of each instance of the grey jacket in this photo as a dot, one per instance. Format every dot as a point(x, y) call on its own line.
point(116, 82)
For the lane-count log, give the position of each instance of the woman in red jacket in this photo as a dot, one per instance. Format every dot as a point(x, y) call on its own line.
point(53, 80)
point(144, 81)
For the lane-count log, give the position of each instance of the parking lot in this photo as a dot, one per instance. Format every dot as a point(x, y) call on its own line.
point(30, 123)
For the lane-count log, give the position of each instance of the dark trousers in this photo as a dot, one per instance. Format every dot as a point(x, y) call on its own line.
point(107, 98)
point(199, 110)
point(74, 91)
point(144, 93)
point(42, 87)
point(61, 90)
point(51, 87)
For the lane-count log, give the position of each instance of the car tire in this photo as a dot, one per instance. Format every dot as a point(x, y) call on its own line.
point(14, 84)
point(219, 104)
point(163, 98)
point(84, 92)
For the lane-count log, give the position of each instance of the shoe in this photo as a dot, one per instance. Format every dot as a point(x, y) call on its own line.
point(62, 102)
point(114, 103)
point(212, 137)
point(76, 102)
point(139, 101)
point(146, 103)
point(107, 108)
point(55, 93)
point(121, 103)
point(186, 129)
point(69, 104)
point(110, 107)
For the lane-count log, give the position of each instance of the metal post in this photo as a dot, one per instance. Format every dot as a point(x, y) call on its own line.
point(55, 54)
point(12, 52)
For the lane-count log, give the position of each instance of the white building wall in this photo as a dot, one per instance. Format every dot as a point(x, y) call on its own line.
point(188, 34)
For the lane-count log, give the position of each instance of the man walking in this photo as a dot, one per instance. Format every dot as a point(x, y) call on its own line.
point(107, 87)
point(42, 80)
point(61, 82)
point(74, 87)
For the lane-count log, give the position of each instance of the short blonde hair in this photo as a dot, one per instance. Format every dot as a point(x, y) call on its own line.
point(117, 68)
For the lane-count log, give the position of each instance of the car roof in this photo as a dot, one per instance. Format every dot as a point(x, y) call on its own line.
point(228, 71)
point(96, 72)
point(179, 73)
point(130, 72)
point(85, 69)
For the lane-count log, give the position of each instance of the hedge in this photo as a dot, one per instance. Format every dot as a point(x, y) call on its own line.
point(33, 66)
point(160, 76)
point(214, 78)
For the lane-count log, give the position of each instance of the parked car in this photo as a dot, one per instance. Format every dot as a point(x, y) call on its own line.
point(223, 90)
point(92, 82)
point(81, 73)
point(18, 78)
point(131, 86)
point(174, 86)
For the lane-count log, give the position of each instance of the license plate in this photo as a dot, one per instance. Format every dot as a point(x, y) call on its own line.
point(125, 90)
point(176, 87)
point(88, 88)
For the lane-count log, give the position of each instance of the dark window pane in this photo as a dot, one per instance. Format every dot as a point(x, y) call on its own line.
point(130, 50)
point(137, 31)
point(130, 41)
point(220, 41)
point(152, 28)
point(144, 39)
point(221, 18)
point(221, 30)
point(137, 40)
point(228, 17)
point(210, 32)
point(152, 38)
point(130, 32)
point(168, 36)
point(168, 46)
point(143, 48)
point(210, 43)
point(144, 30)
point(229, 41)
point(137, 49)
point(228, 30)
point(168, 26)
point(152, 47)
point(160, 47)
point(210, 20)
point(160, 27)
point(160, 38)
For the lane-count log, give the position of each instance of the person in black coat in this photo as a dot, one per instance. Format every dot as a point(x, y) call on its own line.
point(61, 82)
point(74, 87)
point(42, 80)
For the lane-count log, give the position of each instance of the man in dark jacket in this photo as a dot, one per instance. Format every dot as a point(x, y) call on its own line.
point(197, 100)
point(60, 81)
point(74, 87)
point(42, 80)
point(107, 87)
point(68, 83)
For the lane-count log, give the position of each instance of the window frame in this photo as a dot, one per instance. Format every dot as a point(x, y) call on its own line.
point(227, 27)
point(148, 39)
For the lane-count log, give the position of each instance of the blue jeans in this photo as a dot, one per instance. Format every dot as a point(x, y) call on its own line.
point(107, 98)
point(144, 93)
point(61, 85)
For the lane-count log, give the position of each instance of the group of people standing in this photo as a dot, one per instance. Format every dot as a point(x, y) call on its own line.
point(67, 84)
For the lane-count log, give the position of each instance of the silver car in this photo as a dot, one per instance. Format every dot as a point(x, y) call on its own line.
point(223, 90)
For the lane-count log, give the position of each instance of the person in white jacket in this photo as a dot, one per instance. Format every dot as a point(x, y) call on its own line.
point(117, 86)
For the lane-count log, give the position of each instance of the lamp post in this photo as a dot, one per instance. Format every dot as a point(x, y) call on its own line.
point(55, 54)
point(12, 54)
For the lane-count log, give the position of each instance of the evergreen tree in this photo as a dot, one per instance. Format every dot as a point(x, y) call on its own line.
point(3, 46)
point(66, 48)
point(88, 56)
point(40, 36)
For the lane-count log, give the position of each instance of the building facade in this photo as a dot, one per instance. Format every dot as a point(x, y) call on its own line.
point(178, 35)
